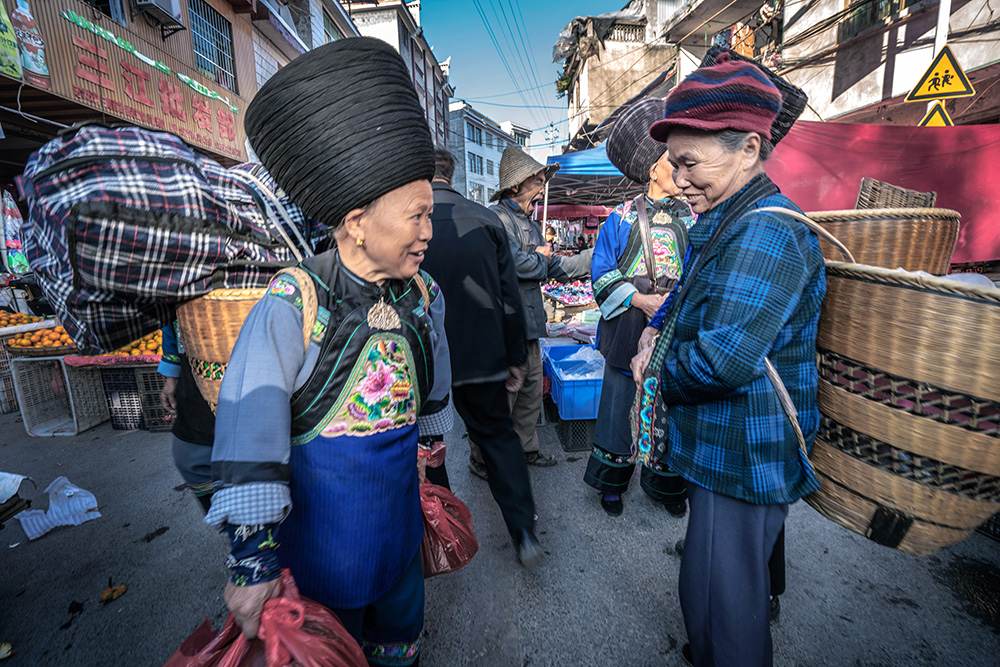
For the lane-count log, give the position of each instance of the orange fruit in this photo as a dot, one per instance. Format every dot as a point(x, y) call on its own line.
point(134, 353)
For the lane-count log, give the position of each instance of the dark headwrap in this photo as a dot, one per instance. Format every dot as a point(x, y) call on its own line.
point(340, 126)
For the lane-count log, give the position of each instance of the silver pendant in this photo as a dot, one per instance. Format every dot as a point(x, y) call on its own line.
point(383, 316)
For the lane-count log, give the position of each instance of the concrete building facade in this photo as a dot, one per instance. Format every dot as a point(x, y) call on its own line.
point(858, 66)
point(856, 60)
point(477, 143)
point(398, 24)
point(609, 59)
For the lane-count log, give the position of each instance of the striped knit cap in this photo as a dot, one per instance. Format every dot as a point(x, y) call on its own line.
point(729, 95)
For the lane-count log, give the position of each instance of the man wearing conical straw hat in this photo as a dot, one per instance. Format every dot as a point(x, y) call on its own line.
point(522, 184)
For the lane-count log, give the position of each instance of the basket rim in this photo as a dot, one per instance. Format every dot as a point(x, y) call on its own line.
point(912, 279)
point(61, 351)
point(887, 213)
point(230, 294)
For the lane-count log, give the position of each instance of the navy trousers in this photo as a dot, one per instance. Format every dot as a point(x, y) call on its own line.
point(724, 579)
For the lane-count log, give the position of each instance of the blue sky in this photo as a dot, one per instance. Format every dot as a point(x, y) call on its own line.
point(455, 28)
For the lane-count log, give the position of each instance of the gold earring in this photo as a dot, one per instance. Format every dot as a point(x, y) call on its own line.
point(359, 241)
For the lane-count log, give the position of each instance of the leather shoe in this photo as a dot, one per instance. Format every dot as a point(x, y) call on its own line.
point(539, 459)
point(529, 551)
point(679, 547)
point(613, 507)
point(686, 654)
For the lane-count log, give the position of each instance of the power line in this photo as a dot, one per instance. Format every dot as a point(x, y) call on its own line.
point(512, 50)
point(527, 53)
point(500, 53)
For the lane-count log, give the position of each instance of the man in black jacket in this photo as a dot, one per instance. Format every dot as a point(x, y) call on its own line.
point(484, 320)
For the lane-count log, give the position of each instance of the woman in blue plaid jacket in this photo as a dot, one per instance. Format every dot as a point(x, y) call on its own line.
point(755, 299)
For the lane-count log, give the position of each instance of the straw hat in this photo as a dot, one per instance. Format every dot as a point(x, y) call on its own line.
point(629, 146)
point(340, 126)
point(516, 167)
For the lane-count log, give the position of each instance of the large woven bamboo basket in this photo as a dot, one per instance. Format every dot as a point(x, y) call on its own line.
point(908, 451)
point(209, 328)
point(915, 239)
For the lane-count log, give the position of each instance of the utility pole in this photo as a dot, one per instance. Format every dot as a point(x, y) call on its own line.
point(941, 33)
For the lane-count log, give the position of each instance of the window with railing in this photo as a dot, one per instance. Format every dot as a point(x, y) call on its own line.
point(477, 193)
point(331, 33)
point(627, 32)
point(475, 164)
point(113, 8)
point(474, 134)
point(212, 38)
point(868, 13)
point(489, 167)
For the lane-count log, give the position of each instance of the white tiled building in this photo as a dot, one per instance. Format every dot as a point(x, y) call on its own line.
point(286, 29)
point(477, 143)
point(398, 23)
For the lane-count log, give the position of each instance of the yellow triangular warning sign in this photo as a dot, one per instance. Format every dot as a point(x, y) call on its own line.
point(936, 117)
point(944, 79)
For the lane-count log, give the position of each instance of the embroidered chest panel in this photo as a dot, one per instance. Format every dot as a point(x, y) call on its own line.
point(380, 393)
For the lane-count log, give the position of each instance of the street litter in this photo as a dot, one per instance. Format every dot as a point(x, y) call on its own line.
point(69, 505)
point(9, 484)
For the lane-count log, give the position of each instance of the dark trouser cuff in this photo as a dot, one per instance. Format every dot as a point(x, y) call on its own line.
point(607, 472)
point(663, 485)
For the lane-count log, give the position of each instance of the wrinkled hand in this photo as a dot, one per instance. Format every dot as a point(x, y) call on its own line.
point(648, 338)
point(515, 379)
point(544, 250)
point(639, 364)
point(168, 395)
point(648, 303)
point(246, 603)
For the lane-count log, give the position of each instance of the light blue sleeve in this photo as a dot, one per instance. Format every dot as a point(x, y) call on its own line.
point(253, 420)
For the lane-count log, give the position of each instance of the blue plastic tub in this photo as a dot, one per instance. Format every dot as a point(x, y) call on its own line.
point(575, 399)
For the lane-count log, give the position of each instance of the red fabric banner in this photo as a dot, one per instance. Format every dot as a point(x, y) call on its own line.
point(820, 167)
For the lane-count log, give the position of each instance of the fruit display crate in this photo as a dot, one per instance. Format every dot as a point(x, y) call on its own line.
point(575, 398)
point(133, 397)
point(57, 399)
point(7, 333)
point(8, 396)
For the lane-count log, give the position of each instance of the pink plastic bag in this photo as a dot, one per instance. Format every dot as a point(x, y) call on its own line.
point(294, 632)
point(449, 540)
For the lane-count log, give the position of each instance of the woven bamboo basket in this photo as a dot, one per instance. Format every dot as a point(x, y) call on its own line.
point(915, 239)
point(877, 194)
point(209, 328)
point(908, 451)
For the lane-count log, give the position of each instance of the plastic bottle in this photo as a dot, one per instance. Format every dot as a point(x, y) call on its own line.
point(29, 37)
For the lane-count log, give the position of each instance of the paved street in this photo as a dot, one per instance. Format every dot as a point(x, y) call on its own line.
point(606, 596)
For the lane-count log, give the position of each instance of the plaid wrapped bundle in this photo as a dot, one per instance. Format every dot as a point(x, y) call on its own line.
point(125, 223)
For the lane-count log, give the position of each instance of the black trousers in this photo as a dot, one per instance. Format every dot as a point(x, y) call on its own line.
point(485, 410)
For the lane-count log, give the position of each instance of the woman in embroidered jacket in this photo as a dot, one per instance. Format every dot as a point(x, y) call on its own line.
point(625, 296)
point(316, 443)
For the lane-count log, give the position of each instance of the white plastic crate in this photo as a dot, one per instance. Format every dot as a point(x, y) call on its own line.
point(56, 399)
point(8, 397)
point(10, 332)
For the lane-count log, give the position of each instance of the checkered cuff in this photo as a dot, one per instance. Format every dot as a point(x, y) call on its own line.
point(251, 504)
point(437, 423)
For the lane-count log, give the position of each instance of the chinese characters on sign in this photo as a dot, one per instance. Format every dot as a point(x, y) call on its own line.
point(150, 97)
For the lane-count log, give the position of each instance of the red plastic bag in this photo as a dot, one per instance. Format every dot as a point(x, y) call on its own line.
point(294, 632)
point(449, 541)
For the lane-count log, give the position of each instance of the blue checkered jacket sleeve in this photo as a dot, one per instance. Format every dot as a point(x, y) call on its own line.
point(759, 297)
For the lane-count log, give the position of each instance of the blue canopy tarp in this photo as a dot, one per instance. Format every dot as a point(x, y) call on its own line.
point(589, 178)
